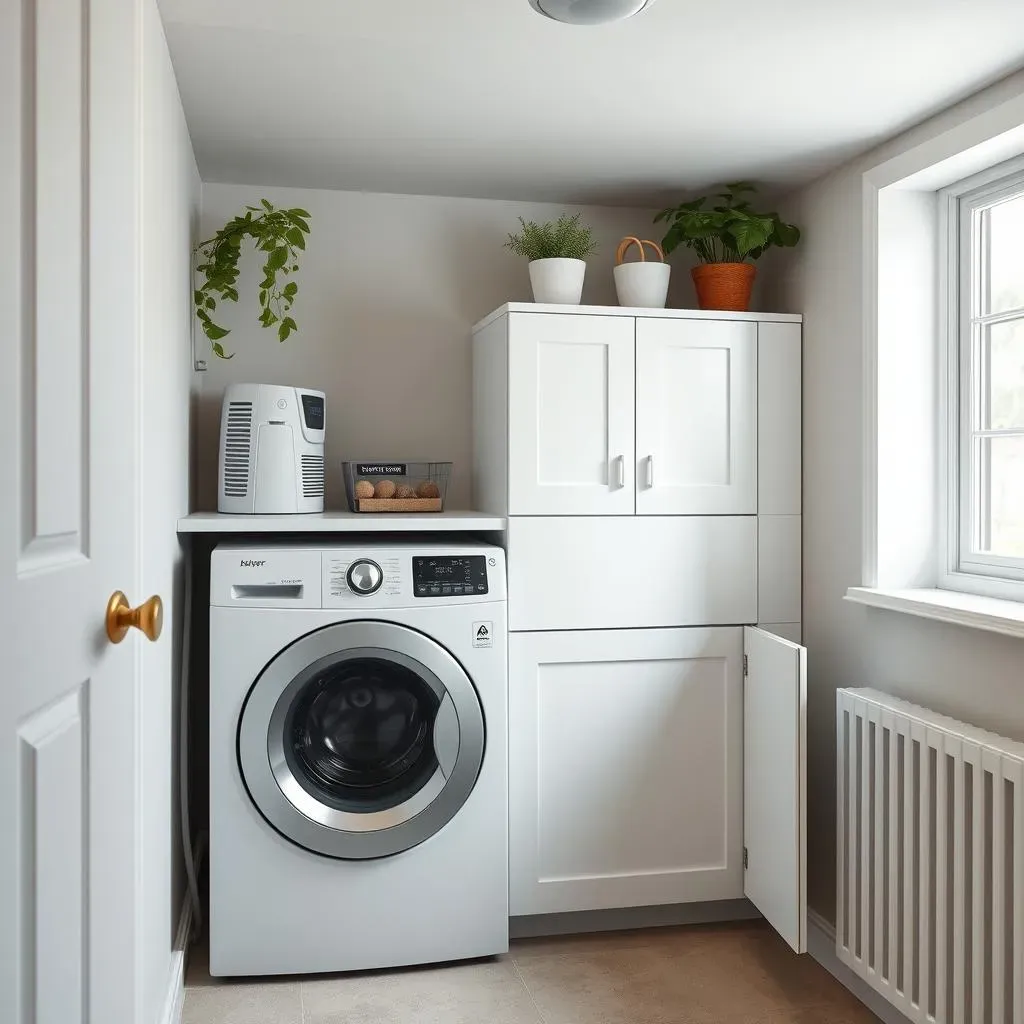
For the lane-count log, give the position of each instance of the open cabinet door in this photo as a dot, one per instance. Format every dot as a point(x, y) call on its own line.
point(775, 782)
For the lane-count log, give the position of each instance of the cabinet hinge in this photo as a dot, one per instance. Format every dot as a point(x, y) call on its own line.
point(746, 665)
point(746, 859)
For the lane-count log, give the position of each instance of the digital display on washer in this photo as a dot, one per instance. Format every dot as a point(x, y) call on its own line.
point(443, 576)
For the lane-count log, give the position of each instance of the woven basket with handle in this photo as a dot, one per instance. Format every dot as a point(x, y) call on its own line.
point(644, 282)
point(629, 241)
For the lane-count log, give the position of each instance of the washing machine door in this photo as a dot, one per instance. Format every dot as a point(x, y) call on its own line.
point(361, 740)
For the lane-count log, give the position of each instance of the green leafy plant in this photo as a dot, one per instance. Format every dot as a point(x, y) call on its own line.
point(565, 238)
point(281, 235)
point(730, 232)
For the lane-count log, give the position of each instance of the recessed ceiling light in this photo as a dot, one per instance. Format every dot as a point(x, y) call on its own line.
point(589, 12)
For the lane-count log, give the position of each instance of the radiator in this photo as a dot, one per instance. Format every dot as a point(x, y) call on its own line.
point(930, 859)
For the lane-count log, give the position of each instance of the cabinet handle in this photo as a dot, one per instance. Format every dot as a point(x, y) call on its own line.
point(620, 463)
point(650, 471)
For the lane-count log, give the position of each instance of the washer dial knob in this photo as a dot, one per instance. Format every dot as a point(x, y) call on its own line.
point(364, 577)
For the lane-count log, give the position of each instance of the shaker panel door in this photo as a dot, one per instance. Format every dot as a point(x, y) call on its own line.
point(696, 417)
point(625, 768)
point(571, 407)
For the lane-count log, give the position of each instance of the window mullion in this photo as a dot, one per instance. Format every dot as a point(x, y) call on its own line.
point(981, 428)
point(982, 389)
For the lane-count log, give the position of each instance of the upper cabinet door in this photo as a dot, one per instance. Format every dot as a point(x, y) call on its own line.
point(775, 782)
point(696, 417)
point(571, 401)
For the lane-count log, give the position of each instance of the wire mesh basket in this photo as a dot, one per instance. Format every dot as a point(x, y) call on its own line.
point(396, 486)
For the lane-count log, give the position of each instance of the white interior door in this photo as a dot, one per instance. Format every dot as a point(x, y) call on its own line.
point(775, 782)
point(571, 403)
point(696, 417)
point(625, 774)
point(69, 177)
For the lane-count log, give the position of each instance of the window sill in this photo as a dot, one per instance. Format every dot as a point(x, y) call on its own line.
point(995, 615)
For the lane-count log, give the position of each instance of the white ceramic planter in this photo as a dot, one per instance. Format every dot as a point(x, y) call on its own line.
point(558, 280)
point(642, 284)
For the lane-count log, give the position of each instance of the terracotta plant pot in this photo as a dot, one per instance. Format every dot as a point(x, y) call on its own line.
point(724, 285)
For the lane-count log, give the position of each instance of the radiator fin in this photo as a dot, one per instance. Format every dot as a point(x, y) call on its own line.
point(930, 861)
point(237, 447)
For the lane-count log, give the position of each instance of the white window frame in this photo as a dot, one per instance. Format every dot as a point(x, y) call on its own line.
point(960, 568)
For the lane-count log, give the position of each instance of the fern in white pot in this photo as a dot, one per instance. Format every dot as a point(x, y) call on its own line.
point(557, 251)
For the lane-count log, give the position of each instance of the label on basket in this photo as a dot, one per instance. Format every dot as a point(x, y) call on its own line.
point(380, 469)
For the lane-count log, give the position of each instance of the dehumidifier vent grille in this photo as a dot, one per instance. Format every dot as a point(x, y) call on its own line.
point(237, 446)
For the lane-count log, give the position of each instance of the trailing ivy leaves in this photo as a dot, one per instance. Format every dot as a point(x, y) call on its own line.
point(281, 235)
point(729, 232)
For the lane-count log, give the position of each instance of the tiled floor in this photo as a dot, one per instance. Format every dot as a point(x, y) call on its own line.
point(709, 974)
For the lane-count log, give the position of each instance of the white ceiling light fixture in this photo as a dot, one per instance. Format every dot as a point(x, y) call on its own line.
point(589, 12)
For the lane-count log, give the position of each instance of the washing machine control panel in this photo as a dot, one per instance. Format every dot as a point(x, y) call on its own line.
point(437, 576)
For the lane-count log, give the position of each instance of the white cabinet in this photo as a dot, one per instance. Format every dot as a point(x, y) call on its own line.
point(570, 415)
point(580, 414)
point(696, 417)
point(649, 465)
point(625, 768)
point(642, 764)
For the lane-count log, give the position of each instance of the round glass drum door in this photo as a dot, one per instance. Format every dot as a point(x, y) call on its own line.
point(361, 740)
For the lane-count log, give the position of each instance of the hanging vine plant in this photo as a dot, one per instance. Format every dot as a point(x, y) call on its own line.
point(281, 235)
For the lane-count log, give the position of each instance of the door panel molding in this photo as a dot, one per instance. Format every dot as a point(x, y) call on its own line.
point(53, 318)
point(53, 780)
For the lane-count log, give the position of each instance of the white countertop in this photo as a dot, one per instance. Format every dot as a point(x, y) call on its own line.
point(342, 522)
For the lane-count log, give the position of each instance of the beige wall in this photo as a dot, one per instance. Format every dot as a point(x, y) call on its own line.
point(390, 288)
point(971, 675)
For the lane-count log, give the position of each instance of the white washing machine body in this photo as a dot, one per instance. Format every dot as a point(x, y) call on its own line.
point(358, 756)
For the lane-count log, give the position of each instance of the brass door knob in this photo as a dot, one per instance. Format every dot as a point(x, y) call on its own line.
point(121, 616)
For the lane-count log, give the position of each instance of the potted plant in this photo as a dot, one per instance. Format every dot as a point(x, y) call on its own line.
point(557, 251)
point(643, 282)
point(727, 238)
point(281, 235)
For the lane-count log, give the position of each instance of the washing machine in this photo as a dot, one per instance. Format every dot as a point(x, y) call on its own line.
point(358, 766)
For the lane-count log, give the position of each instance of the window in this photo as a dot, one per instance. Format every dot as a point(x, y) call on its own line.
point(986, 492)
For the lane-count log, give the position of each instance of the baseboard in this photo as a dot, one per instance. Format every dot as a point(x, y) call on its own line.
point(632, 917)
point(821, 944)
point(174, 1003)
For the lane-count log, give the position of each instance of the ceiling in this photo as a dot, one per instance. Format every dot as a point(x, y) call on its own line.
point(486, 98)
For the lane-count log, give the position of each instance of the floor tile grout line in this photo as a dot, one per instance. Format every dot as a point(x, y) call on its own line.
point(529, 991)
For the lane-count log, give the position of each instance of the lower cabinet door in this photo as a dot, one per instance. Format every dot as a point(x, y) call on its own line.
point(775, 782)
point(625, 768)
